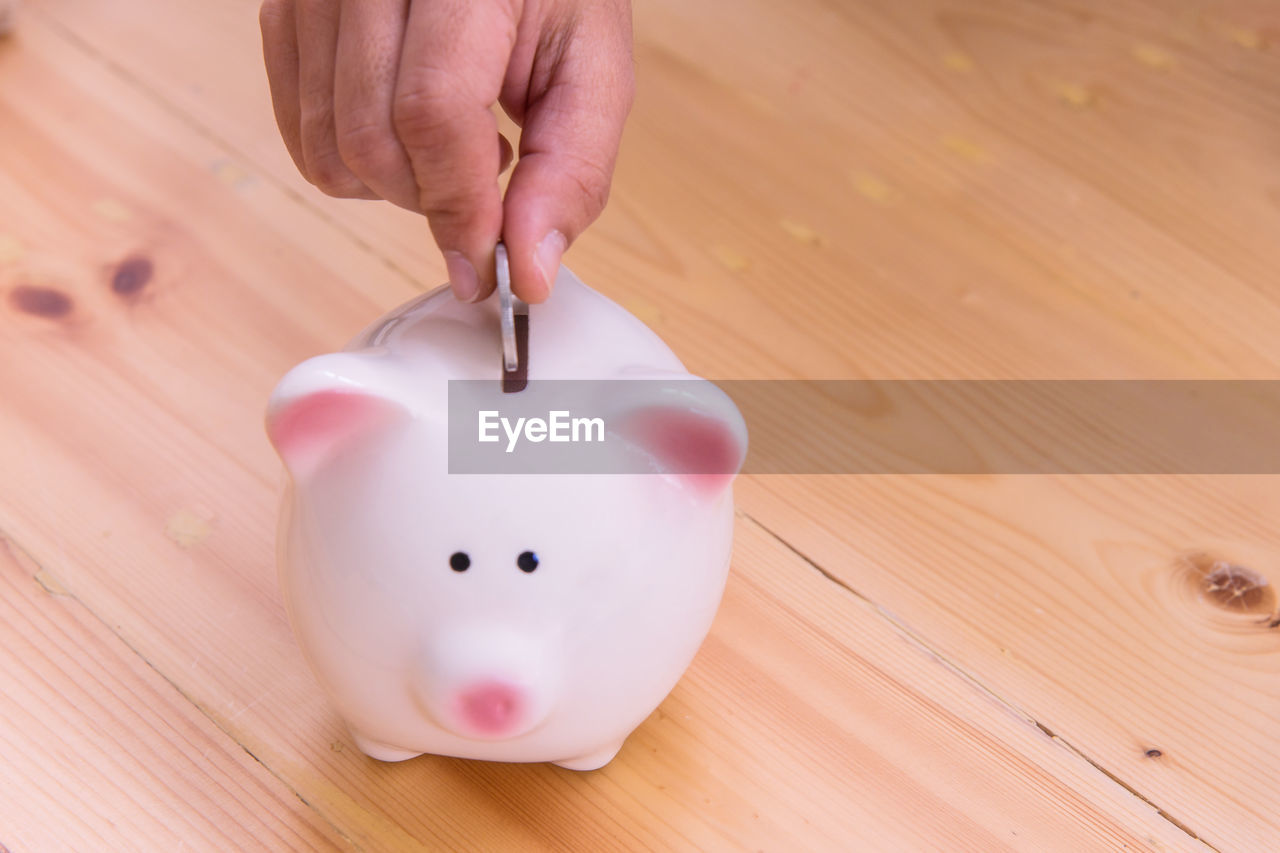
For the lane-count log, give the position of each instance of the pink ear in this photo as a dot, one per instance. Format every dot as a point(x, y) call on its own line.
point(310, 430)
point(699, 451)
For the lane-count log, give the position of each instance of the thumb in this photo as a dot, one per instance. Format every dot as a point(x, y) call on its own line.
point(568, 147)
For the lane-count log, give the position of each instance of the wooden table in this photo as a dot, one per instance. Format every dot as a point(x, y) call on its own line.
point(923, 189)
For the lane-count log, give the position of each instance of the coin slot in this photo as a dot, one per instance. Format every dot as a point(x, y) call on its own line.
point(515, 381)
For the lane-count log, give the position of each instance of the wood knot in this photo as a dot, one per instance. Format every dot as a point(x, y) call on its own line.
point(131, 275)
point(1236, 586)
point(41, 301)
point(1153, 753)
point(1231, 586)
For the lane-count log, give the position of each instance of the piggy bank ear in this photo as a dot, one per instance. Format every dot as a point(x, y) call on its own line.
point(326, 406)
point(689, 431)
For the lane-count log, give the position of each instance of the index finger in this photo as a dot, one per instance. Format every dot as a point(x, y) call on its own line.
point(451, 72)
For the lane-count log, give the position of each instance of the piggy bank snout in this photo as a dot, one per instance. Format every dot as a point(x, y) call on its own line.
point(486, 684)
point(492, 708)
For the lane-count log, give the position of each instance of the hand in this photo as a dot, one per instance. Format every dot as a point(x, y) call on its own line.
point(392, 99)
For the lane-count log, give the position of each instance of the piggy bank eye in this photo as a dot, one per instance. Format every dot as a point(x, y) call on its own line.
point(459, 562)
point(527, 561)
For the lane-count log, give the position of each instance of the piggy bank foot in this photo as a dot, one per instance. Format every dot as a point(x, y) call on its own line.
point(594, 761)
point(381, 751)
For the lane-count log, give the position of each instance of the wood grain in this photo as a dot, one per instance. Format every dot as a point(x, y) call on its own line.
point(102, 752)
point(1083, 611)
point(935, 189)
point(732, 759)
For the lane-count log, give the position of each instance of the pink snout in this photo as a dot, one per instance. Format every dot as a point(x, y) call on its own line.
point(492, 708)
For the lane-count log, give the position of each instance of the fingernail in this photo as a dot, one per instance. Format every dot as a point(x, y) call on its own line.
point(462, 276)
point(547, 257)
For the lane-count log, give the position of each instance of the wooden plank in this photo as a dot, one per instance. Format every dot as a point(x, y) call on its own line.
point(102, 753)
point(143, 484)
point(1118, 203)
point(807, 719)
point(825, 179)
point(969, 190)
point(1072, 599)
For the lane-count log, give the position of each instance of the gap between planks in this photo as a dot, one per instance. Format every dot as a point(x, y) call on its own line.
point(917, 639)
point(49, 582)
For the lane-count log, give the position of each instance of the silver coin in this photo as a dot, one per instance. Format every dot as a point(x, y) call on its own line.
point(506, 310)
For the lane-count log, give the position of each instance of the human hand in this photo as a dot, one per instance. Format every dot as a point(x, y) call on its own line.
point(392, 99)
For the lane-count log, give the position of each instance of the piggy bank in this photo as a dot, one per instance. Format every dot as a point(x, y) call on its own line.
point(524, 618)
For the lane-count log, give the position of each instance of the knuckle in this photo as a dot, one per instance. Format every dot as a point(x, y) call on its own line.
point(331, 176)
point(459, 210)
point(444, 219)
point(450, 210)
point(593, 181)
point(425, 104)
point(369, 148)
point(595, 197)
point(344, 189)
point(315, 102)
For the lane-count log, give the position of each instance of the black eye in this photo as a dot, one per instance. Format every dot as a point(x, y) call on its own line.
point(459, 562)
point(527, 561)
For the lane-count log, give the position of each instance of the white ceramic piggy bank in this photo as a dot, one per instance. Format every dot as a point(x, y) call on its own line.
point(508, 618)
